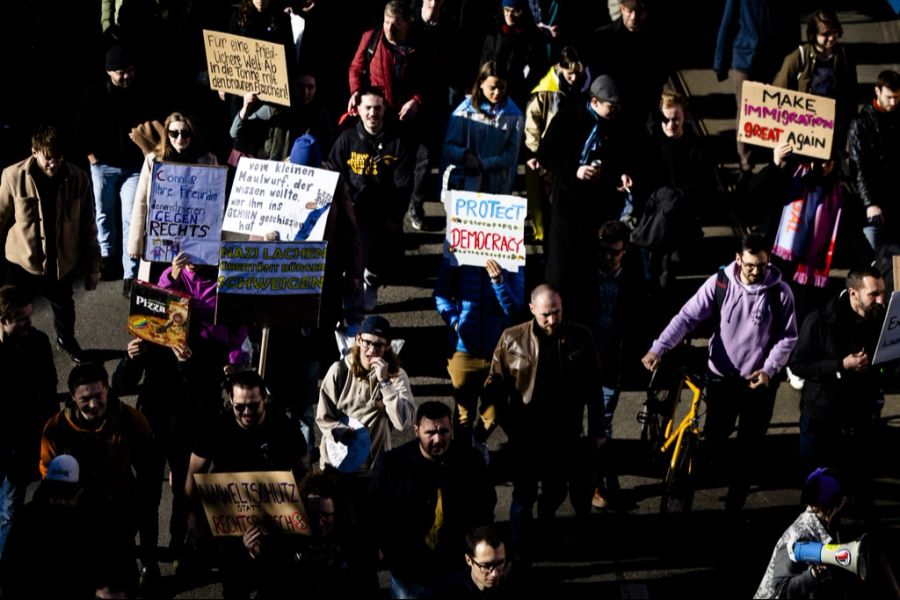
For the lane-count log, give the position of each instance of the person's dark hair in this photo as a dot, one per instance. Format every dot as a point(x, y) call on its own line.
point(889, 79)
point(433, 411)
point(635, 5)
point(754, 244)
point(485, 534)
point(544, 288)
point(855, 276)
point(86, 374)
point(488, 69)
point(373, 90)
point(13, 299)
point(397, 8)
point(569, 59)
point(46, 138)
point(827, 19)
point(321, 485)
point(247, 10)
point(614, 231)
point(246, 380)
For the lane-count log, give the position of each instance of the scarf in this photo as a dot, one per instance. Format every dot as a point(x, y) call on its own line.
point(593, 142)
point(808, 227)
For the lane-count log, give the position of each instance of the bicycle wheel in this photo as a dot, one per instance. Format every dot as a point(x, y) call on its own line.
point(678, 487)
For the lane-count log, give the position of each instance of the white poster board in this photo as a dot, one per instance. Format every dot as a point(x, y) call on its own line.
point(888, 348)
point(485, 226)
point(291, 199)
point(184, 212)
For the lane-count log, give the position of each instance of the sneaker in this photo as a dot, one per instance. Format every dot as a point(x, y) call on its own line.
point(598, 501)
point(415, 220)
point(795, 381)
point(71, 349)
point(126, 287)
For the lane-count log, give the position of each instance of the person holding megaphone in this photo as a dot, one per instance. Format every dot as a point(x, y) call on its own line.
point(792, 571)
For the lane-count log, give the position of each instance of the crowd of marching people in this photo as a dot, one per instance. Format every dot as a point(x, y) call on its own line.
point(405, 100)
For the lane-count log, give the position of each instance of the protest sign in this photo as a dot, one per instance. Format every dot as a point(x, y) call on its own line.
point(270, 282)
point(772, 116)
point(888, 348)
point(184, 213)
point(277, 196)
point(238, 64)
point(158, 315)
point(483, 226)
point(234, 502)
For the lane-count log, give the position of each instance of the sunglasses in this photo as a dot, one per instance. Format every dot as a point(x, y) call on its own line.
point(666, 120)
point(176, 133)
point(248, 406)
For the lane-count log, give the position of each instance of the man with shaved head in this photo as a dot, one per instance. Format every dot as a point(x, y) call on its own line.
point(543, 374)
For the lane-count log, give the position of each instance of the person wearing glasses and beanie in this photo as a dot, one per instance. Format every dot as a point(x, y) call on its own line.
point(249, 435)
point(178, 144)
point(756, 330)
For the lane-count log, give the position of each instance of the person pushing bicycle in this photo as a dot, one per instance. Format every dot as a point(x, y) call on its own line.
point(755, 331)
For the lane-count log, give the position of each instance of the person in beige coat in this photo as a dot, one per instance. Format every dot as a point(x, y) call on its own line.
point(47, 219)
point(369, 386)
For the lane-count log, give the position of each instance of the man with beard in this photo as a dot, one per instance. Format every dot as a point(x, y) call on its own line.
point(842, 396)
point(542, 375)
point(426, 495)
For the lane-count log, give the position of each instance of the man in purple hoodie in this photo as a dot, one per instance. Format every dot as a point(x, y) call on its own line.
point(755, 332)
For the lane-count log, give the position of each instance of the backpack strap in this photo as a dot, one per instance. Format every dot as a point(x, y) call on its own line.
point(721, 288)
point(370, 53)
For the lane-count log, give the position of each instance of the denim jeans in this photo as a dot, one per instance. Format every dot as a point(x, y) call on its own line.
point(12, 497)
point(610, 402)
point(406, 589)
point(112, 184)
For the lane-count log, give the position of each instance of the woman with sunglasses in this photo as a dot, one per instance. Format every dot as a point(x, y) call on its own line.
point(177, 145)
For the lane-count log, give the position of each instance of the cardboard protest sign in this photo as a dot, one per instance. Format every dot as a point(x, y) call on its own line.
point(238, 65)
point(888, 348)
point(772, 116)
point(270, 282)
point(482, 226)
point(234, 502)
point(158, 315)
point(185, 211)
point(277, 196)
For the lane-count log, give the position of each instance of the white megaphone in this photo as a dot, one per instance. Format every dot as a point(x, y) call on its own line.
point(851, 556)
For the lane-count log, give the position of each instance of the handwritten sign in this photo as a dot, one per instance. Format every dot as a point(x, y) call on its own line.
point(159, 315)
point(270, 282)
point(772, 116)
point(888, 348)
point(483, 226)
point(235, 502)
point(238, 65)
point(185, 212)
point(277, 196)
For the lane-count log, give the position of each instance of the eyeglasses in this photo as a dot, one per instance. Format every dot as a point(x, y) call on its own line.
point(176, 133)
point(755, 266)
point(366, 344)
point(248, 406)
point(486, 568)
point(666, 120)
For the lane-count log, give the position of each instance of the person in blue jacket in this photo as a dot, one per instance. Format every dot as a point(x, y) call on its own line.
point(477, 304)
point(484, 136)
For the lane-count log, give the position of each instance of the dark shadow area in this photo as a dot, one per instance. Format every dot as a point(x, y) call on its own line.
point(417, 356)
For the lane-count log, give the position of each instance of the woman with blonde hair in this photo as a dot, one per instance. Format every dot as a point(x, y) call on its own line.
point(178, 144)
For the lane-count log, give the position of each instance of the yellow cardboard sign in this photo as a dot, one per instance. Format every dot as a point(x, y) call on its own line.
point(235, 502)
point(772, 116)
point(238, 64)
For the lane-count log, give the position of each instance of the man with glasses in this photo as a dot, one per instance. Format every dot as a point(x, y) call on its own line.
point(755, 331)
point(47, 217)
point(249, 435)
point(426, 495)
point(486, 571)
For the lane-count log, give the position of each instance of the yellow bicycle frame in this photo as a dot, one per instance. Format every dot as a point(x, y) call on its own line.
point(690, 422)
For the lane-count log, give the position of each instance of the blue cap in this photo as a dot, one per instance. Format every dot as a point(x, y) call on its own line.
point(306, 152)
point(517, 4)
point(822, 489)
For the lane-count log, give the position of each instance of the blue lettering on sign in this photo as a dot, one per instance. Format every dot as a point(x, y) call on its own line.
point(488, 208)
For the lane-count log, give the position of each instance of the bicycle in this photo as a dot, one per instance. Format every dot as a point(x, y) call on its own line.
point(678, 441)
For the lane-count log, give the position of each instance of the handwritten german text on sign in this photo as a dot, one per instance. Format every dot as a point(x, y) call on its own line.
point(772, 116)
point(185, 212)
point(276, 196)
point(238, 65)
point(272, 268)
point(889, 341)
point(482, 227)
point(235, 502)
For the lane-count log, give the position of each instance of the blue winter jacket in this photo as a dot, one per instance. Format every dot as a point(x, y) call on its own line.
point(476, 309)
point(494, 135)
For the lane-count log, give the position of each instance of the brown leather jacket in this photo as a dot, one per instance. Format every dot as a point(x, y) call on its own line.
point(511, 382)
point(22, 222)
